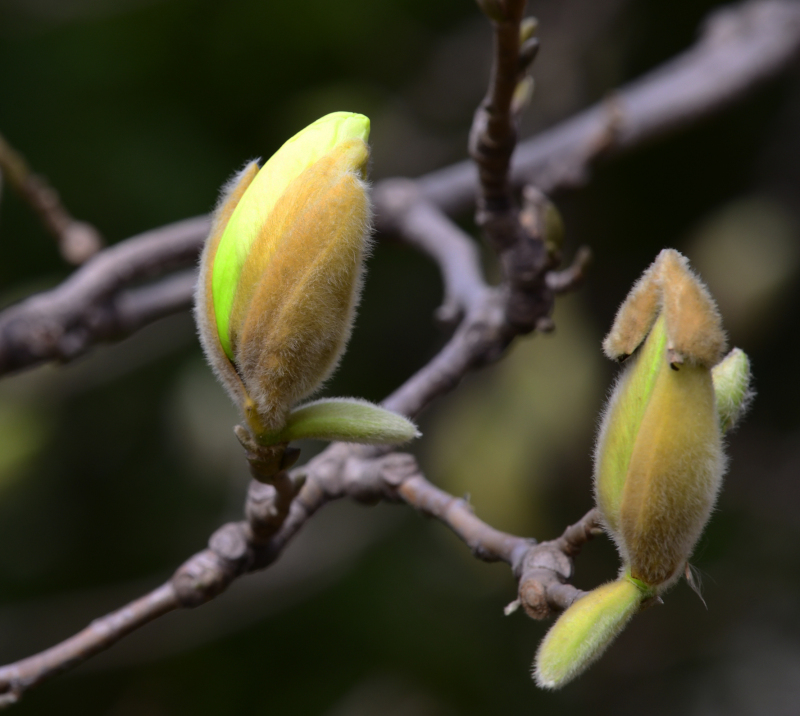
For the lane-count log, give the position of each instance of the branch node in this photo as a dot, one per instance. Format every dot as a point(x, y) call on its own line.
point(201, 578)
point(230, 544)
point(268, 504)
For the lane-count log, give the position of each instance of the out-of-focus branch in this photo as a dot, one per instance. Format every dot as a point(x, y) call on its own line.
point(407, 214)
point(77, 240)
point(741, 48)
point(573, 276)
point(493, 136)
point(95, 304)
point(522, 253)
point(241, 547)
point(98, 636)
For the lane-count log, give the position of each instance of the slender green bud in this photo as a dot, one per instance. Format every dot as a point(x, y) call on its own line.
point(527, 28)
point(281, 271)
point(732, 387)
point(523, 94)
point(541, 218)
point(348, 420)
point(584, 631)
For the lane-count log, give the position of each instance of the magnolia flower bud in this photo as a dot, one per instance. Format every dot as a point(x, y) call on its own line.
point(280, 278)
point(281, 271)
point(659, 460)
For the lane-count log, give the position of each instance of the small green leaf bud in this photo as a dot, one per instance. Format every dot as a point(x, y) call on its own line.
point(348, 420)
point(523, 93)
point(584, 631)
point(541, 218)
point(281, 271)
point(732, 379)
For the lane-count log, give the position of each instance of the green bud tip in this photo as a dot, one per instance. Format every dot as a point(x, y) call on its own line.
point(281, 271)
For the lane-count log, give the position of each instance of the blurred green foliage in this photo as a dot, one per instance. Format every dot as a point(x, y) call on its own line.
point(114, 469)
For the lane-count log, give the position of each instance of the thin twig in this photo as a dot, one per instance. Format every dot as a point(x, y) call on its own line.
point(425, 227)
point(493, 136)
point(102, 633)
point(545, 570)
point(235, 549)
point(77, 240)
point(522, 253)
point(485, 541)
point(573, 276)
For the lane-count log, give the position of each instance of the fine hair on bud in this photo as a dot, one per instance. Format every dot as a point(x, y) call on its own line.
point(669, 286)
point(230, 195)
point(296, 322)
point(733, 387)
point(659, 459)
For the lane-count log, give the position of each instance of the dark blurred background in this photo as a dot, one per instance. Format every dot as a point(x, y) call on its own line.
point(117, 467)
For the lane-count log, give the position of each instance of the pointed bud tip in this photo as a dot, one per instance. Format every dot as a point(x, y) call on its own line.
point(307, 207)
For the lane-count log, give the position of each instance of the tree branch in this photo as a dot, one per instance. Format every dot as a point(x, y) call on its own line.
point(92, 305)
point(238, 548)
point(741, 48)
point(77, 240)
point(421, 224)
point(520, 249)
point(102, 633)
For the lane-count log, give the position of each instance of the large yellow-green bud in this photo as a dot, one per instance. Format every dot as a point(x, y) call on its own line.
point(659, 459)
point(280, 274)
